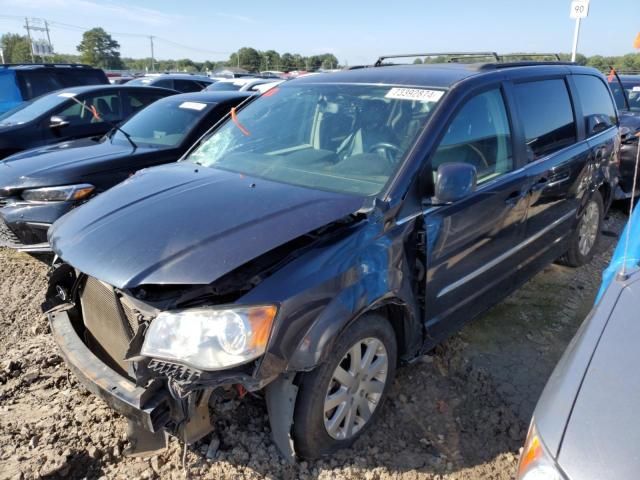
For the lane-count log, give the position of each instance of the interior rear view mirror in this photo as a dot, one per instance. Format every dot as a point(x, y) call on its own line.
point(454, 180)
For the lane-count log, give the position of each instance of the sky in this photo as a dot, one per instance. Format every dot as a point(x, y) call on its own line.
point(356, 31)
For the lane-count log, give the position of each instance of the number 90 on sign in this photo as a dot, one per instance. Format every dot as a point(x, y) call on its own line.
point(579, 9)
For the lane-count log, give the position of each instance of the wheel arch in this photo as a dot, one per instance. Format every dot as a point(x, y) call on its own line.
point(397, 311)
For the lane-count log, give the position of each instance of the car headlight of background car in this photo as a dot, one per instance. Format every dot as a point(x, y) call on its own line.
point(58, 194)
point(536, 463)
point(210, 338)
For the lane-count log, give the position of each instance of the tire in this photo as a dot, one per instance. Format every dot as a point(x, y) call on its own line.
point(585, 238)
point(313, 437)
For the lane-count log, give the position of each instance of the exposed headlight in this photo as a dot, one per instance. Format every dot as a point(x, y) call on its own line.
point(535, 462)
point(58, 194)
point(210, 338)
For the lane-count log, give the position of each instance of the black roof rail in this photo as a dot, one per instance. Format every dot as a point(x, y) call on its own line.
point(494, 66)
point(493, 55)
point(532, 55)
point(74, 65)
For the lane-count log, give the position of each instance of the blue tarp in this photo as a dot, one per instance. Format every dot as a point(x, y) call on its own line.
point(10, 96)
point(633, 252)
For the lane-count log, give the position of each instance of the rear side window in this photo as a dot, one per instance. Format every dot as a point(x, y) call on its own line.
point(597, 107)
point(139, 100)
point(187, 86)
point(164, 83)
point(73, 78)
point(36, 83)
point(479, 135)
point(547, 116)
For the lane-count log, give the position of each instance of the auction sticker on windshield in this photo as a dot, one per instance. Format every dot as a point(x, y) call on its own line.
point(193, 105)
point(415, 94)
point(67, 95)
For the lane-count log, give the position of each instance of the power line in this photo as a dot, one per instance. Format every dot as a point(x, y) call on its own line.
point(68, 26)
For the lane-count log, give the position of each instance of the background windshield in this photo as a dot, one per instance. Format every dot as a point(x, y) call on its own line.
point(164, 123)
point(224, 87)
point(345, 138)
point(30, 110)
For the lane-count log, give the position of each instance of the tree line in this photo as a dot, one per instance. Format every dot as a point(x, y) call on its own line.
point(99, 49)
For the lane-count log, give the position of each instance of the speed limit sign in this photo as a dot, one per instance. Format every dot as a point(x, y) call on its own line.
point(579, 9)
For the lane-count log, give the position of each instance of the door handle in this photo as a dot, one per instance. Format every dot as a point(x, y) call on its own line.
point(514, 197)
point(539, 185)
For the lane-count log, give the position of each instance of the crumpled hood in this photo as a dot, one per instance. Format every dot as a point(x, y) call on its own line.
point(186, 224)
point(50, 165)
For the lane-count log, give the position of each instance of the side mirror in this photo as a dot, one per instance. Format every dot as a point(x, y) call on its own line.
point(596, 124)
point(454, 180)
point(58, 122)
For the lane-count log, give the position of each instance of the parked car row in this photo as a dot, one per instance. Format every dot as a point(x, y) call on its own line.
point(311, 241)
point(41, 185)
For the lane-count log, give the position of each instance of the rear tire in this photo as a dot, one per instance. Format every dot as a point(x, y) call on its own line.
point(586, 236)
point(339, 400)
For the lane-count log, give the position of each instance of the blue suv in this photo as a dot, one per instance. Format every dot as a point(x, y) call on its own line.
point(21, 83)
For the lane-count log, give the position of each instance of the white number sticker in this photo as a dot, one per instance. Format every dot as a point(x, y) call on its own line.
point(415, 94)
point(193, 105)
point(67, 95)
point(636, 89)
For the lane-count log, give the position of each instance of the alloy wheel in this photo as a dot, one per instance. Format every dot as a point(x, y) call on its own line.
point(588, 231)
point(355, 388)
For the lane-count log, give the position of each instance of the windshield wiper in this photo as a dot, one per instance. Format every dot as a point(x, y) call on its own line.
point(126, 135)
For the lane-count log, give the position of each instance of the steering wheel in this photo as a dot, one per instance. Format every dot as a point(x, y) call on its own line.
point(389, 151)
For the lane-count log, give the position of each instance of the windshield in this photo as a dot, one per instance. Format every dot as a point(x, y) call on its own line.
point(140, 81)
point(33, 109)
point(224, 87)
point(633, 94)
point(164, 123)
point(343, 138)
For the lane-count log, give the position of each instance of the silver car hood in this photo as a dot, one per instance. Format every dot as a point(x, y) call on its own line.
point(603, 432)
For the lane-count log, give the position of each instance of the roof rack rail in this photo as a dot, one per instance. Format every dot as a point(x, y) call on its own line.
point(531, 55)
point(493, 55)
point(75, 65)
point(497, 66)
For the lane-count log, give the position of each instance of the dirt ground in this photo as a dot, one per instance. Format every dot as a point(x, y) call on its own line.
point(460, 413)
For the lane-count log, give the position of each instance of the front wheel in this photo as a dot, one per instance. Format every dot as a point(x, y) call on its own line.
point(340, 399)
point(584, 239)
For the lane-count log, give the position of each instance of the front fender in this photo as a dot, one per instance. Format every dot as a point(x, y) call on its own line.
point(349, 305)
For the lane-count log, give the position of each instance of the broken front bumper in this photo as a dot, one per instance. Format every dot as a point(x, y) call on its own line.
point(147, 407)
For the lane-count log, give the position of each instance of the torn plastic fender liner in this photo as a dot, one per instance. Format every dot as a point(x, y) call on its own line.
point(148, 407)
point(281, 401)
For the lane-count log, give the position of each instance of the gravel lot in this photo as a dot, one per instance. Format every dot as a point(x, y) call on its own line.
point(459, 413)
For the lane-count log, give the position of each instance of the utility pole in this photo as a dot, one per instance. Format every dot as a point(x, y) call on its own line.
point(46, 27)
point(2, 55)
point(26, 25)
point(153, 67)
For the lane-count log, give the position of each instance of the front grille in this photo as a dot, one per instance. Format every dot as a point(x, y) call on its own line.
point(173, 370)
point(3, 201)
point(109, 329)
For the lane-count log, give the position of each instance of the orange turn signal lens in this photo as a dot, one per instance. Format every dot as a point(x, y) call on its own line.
point(261, 320)
point(82, 193)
